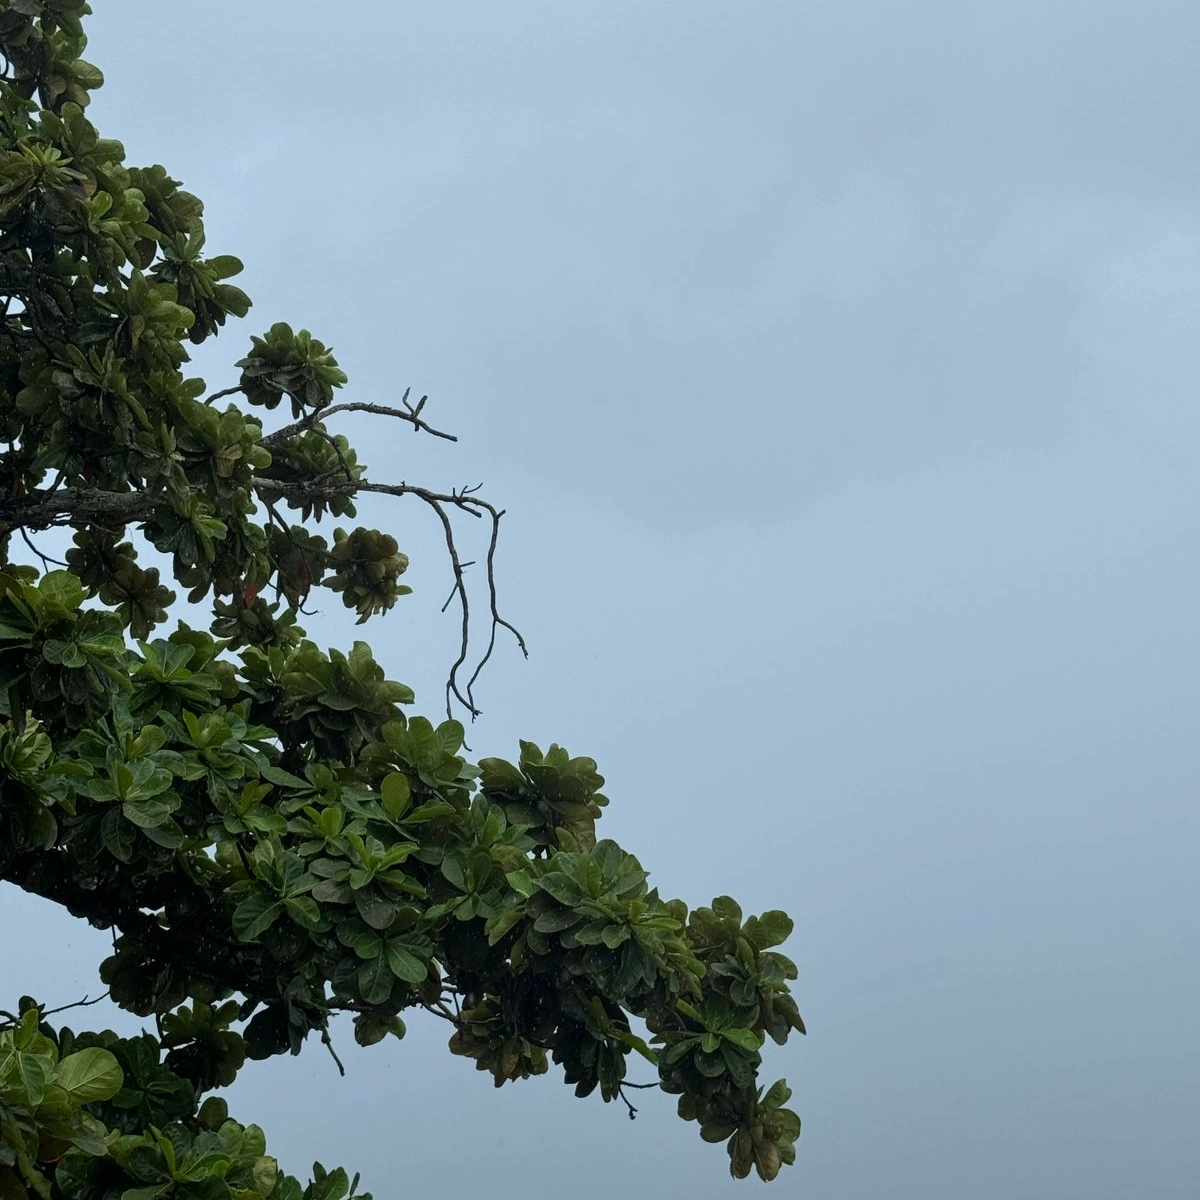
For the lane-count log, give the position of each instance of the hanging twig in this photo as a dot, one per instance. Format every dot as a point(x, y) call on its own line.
point(327, 1042)
point(628, 1103)
point(46, 559)
point(466, 501)
point(230, 391)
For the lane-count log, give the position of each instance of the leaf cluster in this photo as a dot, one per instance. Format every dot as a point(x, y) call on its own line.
point(98, 1117)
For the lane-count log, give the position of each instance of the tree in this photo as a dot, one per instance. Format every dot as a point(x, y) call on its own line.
point(272, 838)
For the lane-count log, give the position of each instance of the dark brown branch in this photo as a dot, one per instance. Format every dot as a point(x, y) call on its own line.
point(82, 507)
point(199, 946)
point(409, 413)
point(465, 501)
point(230, 391)
point(73, 506)
point(46, 559)
point(86, 1002)
point(439, 1009)
point(497, 620)
point(332, 441)
point(327, 1041)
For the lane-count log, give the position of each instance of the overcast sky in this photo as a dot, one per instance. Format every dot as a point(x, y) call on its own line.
point(837, 365)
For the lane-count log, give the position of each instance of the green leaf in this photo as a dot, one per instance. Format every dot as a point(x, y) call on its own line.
point(273, 774)
point(614, 935)
point(29, 1072)
point(255, 915)
point(151, 812)
point(454, 871)
point(375, 980)
point(63, 589)
point(377, 910)
point(556, 920)
point(429, 811)
point(403, 964)
point(366, 943)
point(747, 1039)
point(222, 266)
point(395, 795)
point(368, 1029)
point(450, 735)
point(770, 929)
point(563, 889)
point(500, 924)
point(521, 882)
point(626, 1038)
point(89, 1075)
point(786, 1124)
point(717, 1132)
point(304, 911)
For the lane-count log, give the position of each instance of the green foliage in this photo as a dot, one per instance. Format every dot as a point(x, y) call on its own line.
point(94, 1115)
point(547, 793)
point(273, 838)
point(366, 565)
point(289, 364)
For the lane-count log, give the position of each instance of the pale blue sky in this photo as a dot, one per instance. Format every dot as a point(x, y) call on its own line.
point(837, 366)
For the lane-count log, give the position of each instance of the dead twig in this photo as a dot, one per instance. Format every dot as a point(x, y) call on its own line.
point(409, 412)
point(465, 500)
point(327, 1042)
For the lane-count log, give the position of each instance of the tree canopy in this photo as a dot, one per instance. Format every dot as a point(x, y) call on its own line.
point(270, 832)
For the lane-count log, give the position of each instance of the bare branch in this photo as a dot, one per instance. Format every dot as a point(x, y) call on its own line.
point(409, 413)
point(328, 1043)
point(439, 1009)
point(82, 507)
point(231, 391)
point(47, 1012)
point(466, 501)
point(465, 607)
point(497, 620)
point(46, 559)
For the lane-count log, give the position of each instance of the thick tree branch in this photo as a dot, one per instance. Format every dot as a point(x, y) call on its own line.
point(74, 506)
point(82, 507)
point(189, 942)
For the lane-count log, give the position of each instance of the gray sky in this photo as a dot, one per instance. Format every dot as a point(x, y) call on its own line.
point(836, 364)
